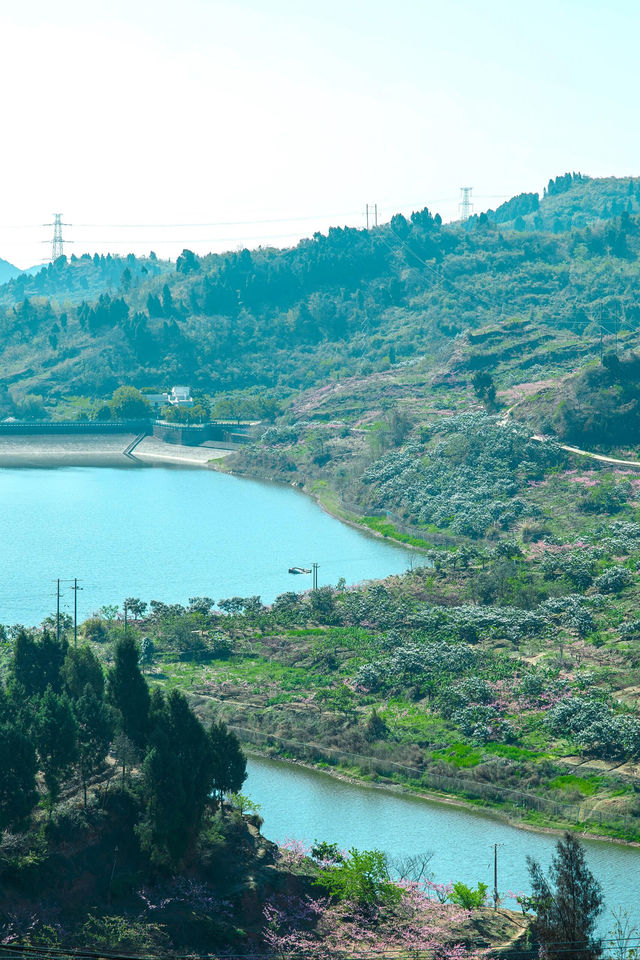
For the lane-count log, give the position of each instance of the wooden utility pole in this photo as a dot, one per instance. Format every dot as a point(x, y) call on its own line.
point(496, 895)
point(75, 589)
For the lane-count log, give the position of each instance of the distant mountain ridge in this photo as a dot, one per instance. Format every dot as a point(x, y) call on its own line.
point(8, 271)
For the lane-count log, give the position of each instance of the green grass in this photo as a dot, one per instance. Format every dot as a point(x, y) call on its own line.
point(412, 724)
point(460, 755)
point(511, 752)
point(387, 529)
point(587, 787)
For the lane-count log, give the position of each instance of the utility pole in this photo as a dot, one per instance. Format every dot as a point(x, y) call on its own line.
point(374, 213)
point(75, 589)
point(125, 618)
point(496, 895)
point(465, 205)
point(315, 575)
point(58, 611)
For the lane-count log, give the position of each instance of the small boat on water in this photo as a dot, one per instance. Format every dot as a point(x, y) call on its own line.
point(299, 570)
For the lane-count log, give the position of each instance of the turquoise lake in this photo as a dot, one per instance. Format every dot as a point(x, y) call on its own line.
point(166, 533)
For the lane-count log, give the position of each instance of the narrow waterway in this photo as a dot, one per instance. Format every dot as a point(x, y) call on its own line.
point(306, 805)
point(167, 534)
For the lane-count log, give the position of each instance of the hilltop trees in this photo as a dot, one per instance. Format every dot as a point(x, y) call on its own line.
point(179, 771)
point(230, 765)
point(37, 662)
point(82, 667)
point(55, 732)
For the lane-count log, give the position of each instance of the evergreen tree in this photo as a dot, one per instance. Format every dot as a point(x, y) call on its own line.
point(128, 691)
point(95, 731)
point(82, 667)
point(18, 767)
point(56, 740)
point(567, 903)
point(229, 762)
point(178, 772)
point(37, 663)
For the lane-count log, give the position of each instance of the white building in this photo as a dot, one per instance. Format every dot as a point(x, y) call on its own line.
point(181, 395)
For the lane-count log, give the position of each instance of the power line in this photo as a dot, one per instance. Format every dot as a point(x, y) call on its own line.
point(395, 206)
point(35, 950)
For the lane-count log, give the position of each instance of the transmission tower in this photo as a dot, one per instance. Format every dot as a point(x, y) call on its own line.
point(465, 205)
point(57, 248)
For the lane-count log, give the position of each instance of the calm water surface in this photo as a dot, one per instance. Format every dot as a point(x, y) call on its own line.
point(305, 805)
point(166, 534)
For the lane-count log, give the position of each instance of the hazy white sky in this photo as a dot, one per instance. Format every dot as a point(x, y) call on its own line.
point(230, 113)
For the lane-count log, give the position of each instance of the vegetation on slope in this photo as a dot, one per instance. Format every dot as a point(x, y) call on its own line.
point(351, 302)
point(122, 829)
point(499, 668)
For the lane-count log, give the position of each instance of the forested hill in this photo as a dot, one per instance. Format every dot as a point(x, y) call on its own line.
point(572, 200)
point(79, 278)
point(351, 301)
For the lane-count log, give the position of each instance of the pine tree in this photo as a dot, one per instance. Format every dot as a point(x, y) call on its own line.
point(37, 663)
point(178, 773)
point(95, 731)
point(229, 762)
point(128, 691)
point(567, 903)
point(18, 767)
point(82, 667)
point(55, 735)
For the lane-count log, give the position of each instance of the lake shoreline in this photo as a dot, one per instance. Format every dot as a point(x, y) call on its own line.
point(448, 800)
point(343, 515)
point(101, 450)
point(108, 450)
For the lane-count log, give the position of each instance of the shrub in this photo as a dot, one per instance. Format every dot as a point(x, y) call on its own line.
point(362, 877)
point(613, 580)
point(467, 897)
point(95, 629)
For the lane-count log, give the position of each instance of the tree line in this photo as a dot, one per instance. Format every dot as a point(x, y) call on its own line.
point(62, 722)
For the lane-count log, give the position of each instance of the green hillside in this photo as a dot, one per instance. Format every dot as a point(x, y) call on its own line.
point(79, 278)
point(351, 302)
point(420, 380)
point(570, 201)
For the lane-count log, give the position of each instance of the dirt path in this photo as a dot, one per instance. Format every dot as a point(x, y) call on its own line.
point(594, 456)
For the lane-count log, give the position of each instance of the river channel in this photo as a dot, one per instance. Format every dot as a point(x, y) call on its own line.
point(166, 533)
point(306, 805)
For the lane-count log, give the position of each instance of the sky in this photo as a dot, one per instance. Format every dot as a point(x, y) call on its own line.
point(155, 125)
